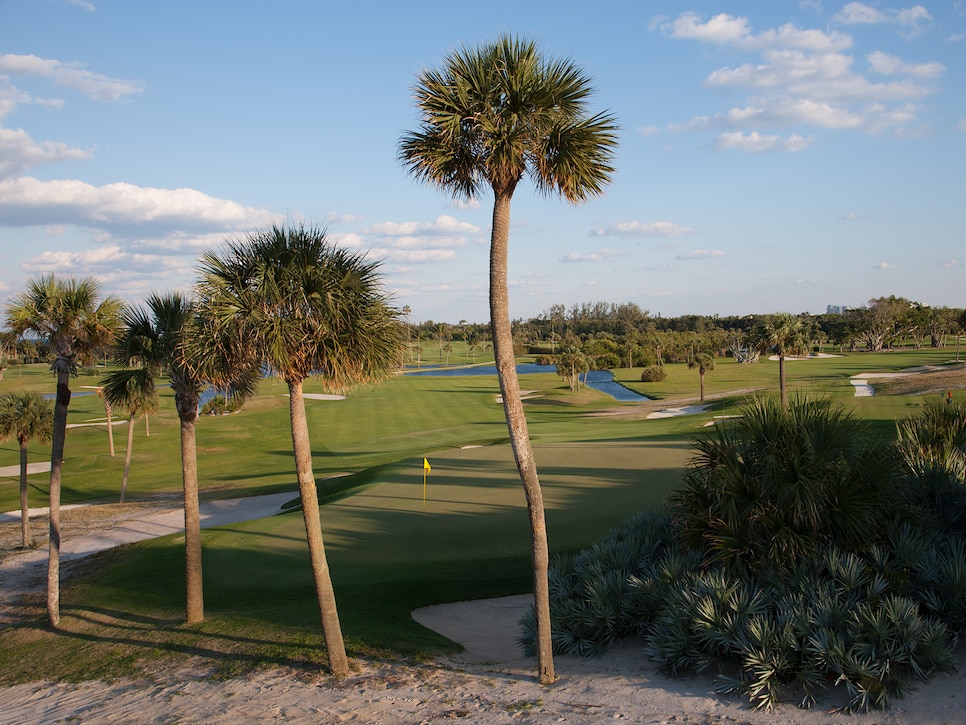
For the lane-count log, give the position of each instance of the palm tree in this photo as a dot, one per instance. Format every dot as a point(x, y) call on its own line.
point(168, 336)
point(704, 362)
point(25, 415)
point(489, 116)
point(135, 391)
point(76, 326)
point(786, 335)
point(108, 411)
point(305, 307)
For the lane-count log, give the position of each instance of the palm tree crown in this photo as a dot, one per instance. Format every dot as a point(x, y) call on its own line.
point(303, 305)
point(495, 113)
point(25, 415)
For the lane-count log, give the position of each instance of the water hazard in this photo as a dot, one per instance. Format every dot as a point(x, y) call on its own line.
point(602, 380)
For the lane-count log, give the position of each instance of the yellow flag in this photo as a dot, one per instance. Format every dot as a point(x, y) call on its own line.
point(426, 466)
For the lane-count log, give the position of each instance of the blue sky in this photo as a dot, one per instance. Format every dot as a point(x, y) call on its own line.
point(778, 156)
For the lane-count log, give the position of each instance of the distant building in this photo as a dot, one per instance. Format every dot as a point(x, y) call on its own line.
point(837, 309)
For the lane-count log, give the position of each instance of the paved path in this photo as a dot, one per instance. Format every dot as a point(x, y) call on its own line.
point(26, 572)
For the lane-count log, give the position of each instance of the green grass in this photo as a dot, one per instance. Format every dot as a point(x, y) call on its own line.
point(389, 553)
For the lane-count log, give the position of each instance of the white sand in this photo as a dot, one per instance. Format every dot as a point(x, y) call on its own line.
point(488, 684)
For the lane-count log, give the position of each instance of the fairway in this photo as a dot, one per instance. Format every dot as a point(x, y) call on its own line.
point(389, 552)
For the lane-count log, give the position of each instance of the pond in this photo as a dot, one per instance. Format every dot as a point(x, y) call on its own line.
point(602, 380)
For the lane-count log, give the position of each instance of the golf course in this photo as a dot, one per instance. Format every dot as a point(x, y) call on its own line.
point(398, 536)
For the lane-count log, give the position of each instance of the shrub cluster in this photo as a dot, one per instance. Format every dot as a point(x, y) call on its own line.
point(653, 374)
point(219, 405)
point(781, 565)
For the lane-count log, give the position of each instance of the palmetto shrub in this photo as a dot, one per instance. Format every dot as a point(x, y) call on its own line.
point(797, 557)
point(780, 482)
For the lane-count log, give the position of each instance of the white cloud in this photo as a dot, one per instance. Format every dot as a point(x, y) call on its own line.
point(19, 152)
point(888, 64)
point(443, 225)
point(912, 20)
point(334, 217)
point(885, 265)
point(464, 204)
point(27, 201)
point(807, 78)
point(648, 131)
point(93, 85)
point(755, 142)
point(851, 217)
point(701, 254)
point(638, 229)
point(724, 29)
point(953, 263)
point(599, 256)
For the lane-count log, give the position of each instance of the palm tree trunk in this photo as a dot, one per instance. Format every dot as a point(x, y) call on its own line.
point(110, 428)
point(781, 378)
point(24, 508)
point(331, 629)
point(194, 588)
point(56, 464)
point(127, 456)
point(701, 376)
point(519, 436)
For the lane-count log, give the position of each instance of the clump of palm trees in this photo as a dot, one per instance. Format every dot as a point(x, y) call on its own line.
point(285, 300)
point(800, 553)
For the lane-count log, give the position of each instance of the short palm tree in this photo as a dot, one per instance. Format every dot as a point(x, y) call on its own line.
point(135, 391)
point(26, 416)
point(304, 307)
point(69, 316)
point(770, 488)
point(704, 362)
point(786, 334)
point(490, 115)
point(167, 336)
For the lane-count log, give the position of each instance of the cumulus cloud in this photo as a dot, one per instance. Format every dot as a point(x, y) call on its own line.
point(639, 229)
point(69, 75)
point(701, 254)
point(444, 225)
point(19, 152)
point(648, 131)
point(598, 256)
point(885, 265)
point(417, 242)
point(26, 201)
point(887, 64)
point(804, 78)
point(334, 217)
point(755, 142)
point(953, 263)
point(913, 20)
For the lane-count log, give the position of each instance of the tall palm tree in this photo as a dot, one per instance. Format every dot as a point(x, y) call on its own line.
point(168, 336)
point(305, 307)
point(489, 116)
point(25, 415)
point(704, 362)
point(69, 317)
point(786, 334)
point(134, 390)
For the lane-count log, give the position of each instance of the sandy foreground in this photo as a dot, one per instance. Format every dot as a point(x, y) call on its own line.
point(488, 683)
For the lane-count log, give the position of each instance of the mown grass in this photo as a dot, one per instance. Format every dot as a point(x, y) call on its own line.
point(389, 553)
